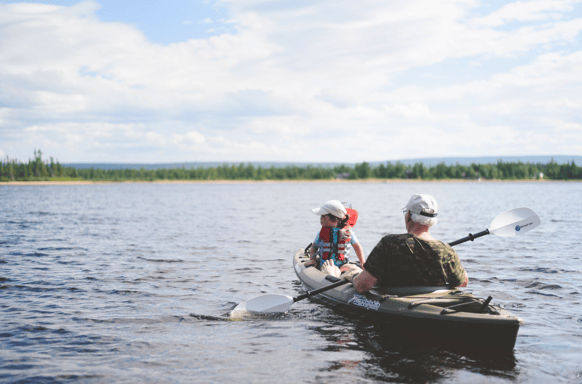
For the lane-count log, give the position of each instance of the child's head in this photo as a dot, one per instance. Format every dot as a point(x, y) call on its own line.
point(332, 213)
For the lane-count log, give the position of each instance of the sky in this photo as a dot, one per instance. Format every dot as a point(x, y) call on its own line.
point(289, 81)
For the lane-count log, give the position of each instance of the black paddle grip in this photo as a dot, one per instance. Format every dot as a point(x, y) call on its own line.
point(470, 237)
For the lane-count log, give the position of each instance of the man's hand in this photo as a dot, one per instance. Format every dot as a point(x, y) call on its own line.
point(309, 262)
point(466, 282)
point(349, 276)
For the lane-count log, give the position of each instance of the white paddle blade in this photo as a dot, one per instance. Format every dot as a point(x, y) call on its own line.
point(514, 222)
point(269, 303)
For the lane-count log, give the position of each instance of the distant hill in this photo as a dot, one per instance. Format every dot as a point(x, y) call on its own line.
point(429, 162)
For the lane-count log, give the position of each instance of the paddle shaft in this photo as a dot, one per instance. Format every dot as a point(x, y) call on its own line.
point(470, 237)
point(317, 291)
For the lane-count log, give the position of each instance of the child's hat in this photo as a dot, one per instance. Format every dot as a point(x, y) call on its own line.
point(332, 206)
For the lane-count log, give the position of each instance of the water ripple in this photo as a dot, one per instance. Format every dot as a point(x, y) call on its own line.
point(135, 283)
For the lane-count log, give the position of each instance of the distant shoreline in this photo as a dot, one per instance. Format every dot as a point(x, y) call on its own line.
point(41, 172)
point(86, 182)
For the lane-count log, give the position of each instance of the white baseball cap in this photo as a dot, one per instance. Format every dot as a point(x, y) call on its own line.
point(423, 205)
point(335, 207)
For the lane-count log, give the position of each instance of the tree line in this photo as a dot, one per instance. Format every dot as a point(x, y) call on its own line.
point(38, 169)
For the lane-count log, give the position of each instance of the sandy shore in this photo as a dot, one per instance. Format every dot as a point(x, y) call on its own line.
point(266, 181)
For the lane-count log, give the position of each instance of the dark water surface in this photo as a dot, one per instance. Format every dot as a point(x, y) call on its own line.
point(133, 283)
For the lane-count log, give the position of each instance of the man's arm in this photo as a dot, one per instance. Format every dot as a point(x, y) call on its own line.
point(465, 280)
point(459, 278)
point(456, 274)
point(363, 282)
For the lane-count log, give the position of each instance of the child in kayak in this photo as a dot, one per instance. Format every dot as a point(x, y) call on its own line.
point(336, 237)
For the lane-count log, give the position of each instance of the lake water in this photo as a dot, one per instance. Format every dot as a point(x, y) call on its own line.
point(134, 283)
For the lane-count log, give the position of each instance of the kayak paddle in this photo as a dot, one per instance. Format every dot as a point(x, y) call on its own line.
point(275, 303)
point(509, 223)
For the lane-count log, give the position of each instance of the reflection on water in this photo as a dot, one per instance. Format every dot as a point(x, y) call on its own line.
point(390, 352)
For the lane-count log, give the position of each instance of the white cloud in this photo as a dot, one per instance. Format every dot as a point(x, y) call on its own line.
point(237, 151)
point(81, 137)
point(189, 139)
point(284, 125)
point(155, 139)
point(291, 75)
point(551, 10)
point(411, 110)
point(565, 127)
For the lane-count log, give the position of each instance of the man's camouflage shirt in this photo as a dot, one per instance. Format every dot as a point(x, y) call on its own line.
point(404, 260)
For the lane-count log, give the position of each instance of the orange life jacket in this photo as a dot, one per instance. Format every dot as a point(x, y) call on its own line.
point(331, 243)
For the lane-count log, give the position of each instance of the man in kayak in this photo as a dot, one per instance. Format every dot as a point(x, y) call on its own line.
point(335, 237)
point(414, 258)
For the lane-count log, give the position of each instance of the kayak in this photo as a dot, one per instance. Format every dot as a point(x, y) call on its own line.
point(445, 312)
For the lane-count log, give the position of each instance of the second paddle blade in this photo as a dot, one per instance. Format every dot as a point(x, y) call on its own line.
point(269, 303)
